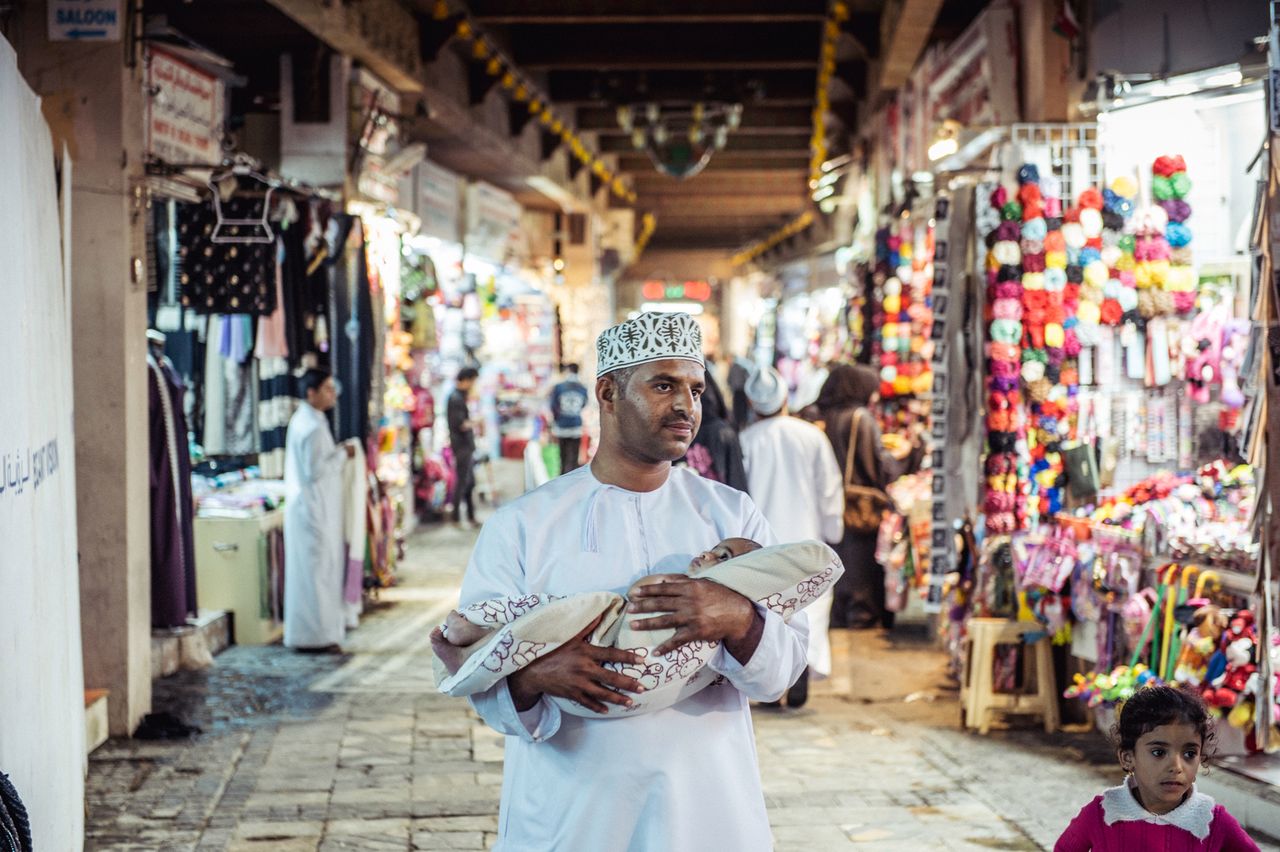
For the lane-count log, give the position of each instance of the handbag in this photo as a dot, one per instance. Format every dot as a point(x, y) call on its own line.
point(1081, 465)
point(863, 505)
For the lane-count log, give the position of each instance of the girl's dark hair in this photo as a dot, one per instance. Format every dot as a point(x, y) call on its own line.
point(1153, 706)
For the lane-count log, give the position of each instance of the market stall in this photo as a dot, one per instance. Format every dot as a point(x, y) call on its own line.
point(1122, 415)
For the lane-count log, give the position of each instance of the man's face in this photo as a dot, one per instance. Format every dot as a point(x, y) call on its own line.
point(324, 397)
point(659, 411)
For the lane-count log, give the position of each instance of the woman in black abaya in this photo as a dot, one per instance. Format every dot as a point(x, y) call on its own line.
point(859, 595)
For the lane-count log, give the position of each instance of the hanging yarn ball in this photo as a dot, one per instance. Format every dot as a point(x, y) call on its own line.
point(1113, 221)
point(999, 196)
point(1031, 245)
point(1073, 235)
point(1054, 336)
point(1090, 199)
point(1178, 234)
point(1152, 220)
point(1124, 186)
point(1054, 278)
point(1006, 331)
point(1184, 302)
point(1096, 273)
point(1009, 231)
point(1091, 223)
point(1034, 229)
point(1167, 166)
point(1053, 210)
point(1162, 188)
point(1033, 262)
point(1110, 312)
point(1056, 260)
point(1181, 256)
point(1029, 173)
point(1147, 303)
point(1176, 209)
point(892, 287)
point(1164, 302)
point(1011, 211)
point(1029, 193)
point(1007, 253)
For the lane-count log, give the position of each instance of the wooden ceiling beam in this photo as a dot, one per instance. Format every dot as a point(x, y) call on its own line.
point(382, 34)
point(745, 205)
point(561, 12)
point(760, 88)
point(649, 46)
point(778, 144)
point(726, 161)
point(905, 27)
point(756, 119)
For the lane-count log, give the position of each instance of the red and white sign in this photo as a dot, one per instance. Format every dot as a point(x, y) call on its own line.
point(185, 111)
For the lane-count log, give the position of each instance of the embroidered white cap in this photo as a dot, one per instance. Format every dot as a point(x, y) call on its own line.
point(766, 391)
point(649, 337)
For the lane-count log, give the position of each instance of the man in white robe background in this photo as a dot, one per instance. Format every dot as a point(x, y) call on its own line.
point(314, 556)
point(683, 779)
point(793, 478)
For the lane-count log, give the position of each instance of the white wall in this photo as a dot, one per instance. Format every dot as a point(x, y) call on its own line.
point(1218, 137)
point(41, 677)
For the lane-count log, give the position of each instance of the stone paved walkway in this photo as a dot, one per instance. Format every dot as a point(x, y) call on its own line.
point(359, 752)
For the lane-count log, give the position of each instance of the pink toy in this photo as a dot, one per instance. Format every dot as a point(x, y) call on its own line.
point(1203, 348)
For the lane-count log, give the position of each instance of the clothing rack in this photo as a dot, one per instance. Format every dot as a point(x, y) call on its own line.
point(162, 168)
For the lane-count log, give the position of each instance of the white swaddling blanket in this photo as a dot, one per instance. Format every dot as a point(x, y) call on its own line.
point(784, 578)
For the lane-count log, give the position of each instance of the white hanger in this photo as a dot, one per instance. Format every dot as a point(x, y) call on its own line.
point(259, 229)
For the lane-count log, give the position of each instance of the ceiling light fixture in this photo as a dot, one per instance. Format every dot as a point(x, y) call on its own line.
point(680, 140)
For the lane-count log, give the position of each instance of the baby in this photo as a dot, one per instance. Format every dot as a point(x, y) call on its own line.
point(460, 632)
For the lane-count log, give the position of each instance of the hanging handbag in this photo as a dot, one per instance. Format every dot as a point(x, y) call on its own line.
point(1081, 464)
point(863, 505)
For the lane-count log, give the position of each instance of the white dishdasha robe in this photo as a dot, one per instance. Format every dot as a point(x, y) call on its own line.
point(315, 560)
point(683, 778)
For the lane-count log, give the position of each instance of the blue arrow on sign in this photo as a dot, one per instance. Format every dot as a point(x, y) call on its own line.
point(86, 33)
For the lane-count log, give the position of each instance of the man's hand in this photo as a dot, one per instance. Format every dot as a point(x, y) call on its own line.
point(698, 610)
point(576, 671)
point(351, 450)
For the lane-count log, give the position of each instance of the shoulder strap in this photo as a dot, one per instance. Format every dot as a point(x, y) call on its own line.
point(853, 443)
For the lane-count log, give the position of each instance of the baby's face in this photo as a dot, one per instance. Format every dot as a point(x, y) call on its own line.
point(723, 552)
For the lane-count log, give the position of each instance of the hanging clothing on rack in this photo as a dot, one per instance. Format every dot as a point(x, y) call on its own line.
point(173, 564)
point(223, 277)
point(231, 387)
point(352, 341)
point(355, 487)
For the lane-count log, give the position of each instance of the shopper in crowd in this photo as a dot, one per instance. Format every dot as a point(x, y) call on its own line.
point(846, 401)
point(314, 555)
point(1161, 739)
point(680, 779)
point(715, 452)
point(793, 478)
point(740, 369)
point(568, 399)
point(462, 440)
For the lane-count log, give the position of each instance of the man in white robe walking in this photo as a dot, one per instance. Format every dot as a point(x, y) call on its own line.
point(794, 479)
point(683, 779)
point(314, 557)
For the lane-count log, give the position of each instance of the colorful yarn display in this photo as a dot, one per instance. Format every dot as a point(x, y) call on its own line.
point(903, 316)
point(1044, 271)
point(1170, 186)
point(1004, 501)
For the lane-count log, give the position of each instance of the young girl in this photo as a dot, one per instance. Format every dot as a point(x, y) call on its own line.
point(1161, 738)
